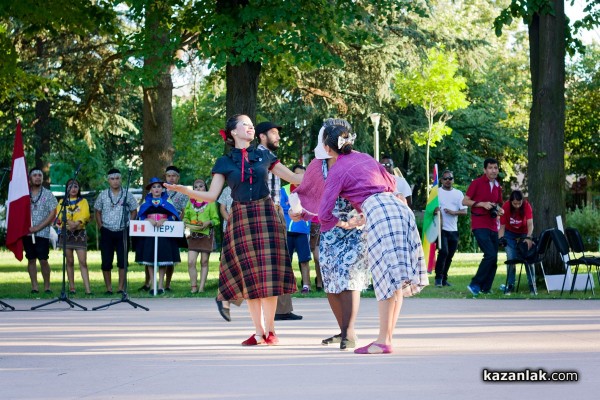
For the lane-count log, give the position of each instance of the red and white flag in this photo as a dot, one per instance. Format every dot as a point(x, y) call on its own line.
point(18, 211)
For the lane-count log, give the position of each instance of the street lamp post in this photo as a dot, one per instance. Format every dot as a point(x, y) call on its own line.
point(375, 118)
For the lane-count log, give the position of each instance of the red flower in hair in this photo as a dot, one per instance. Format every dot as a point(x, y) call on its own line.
point(223, 134)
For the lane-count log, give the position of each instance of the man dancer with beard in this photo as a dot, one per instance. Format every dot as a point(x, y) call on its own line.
point(268, 136)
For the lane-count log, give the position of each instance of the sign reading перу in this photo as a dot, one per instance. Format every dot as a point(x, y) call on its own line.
point(145, 228)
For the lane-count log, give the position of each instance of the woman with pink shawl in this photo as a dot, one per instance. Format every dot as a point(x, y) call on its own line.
point(342, 252)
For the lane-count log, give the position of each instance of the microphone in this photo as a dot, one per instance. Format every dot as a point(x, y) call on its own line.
point(7, 169)
point(78, 169)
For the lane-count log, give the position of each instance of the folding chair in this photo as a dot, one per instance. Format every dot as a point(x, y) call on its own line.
point(515, 261)
point(576, 243)
point(560, 241)
point(542, 247)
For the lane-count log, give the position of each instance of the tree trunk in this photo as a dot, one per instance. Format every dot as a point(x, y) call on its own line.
point(241, 80)
point(42, 138)
point(158, 128)
point(42, 121)
point(157, 110)
point(547, 120)
point(242, 88)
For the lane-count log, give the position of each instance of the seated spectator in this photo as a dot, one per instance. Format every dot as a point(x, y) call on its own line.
point(516, 224)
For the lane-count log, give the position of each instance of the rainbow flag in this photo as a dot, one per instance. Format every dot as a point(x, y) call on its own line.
point(431, 223)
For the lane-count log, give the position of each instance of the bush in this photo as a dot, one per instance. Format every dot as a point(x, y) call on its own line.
point(587, 221)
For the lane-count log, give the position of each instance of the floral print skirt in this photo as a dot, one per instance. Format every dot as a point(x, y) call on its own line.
point(343, 260)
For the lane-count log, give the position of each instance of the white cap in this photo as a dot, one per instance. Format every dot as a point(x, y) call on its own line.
point(320, 152)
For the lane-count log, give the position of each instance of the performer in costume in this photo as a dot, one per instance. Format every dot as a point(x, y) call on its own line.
point(37, 243)
point(78, 215)
point(157, 209)
point(342, 252)
point(113, 227)
point(395, 253)
point(200, 218)
point(255, 264)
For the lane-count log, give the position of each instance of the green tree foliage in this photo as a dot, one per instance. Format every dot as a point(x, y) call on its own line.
point(550, 34)
point(196, 133)
point(25, 24)
point(244, 35)
point(154, 41)
point(587, 221)
point(582, 125)
point(67, 86)
point(436, 88)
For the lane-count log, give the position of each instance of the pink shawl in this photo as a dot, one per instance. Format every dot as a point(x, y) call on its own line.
point(311, 189)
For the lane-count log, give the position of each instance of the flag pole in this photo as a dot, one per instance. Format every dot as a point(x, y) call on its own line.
point(439, 215)
point(32, 234)
point(439, 212)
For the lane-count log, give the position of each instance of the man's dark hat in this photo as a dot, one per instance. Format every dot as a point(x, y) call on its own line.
point(263, 127)
point(172, 168)
point(153, 181)
point(113, 171)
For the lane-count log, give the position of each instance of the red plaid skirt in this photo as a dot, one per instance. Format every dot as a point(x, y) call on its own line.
point(255, 262)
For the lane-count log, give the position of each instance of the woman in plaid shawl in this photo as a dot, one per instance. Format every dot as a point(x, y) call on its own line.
point(342, 252)
point(255, 264)
point(394, 250)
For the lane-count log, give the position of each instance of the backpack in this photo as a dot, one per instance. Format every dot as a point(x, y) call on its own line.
point(527, 254)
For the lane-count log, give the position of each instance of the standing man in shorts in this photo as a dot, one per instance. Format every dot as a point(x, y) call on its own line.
point(37, 244)
point(109, 217)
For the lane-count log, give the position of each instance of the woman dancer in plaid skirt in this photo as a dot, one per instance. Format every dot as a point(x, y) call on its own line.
point(395, 253)
point(255, 264)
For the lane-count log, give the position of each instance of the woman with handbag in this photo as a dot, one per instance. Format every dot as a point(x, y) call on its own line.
point(200, 218)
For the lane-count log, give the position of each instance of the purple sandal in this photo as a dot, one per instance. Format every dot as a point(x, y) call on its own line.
point(375, 348)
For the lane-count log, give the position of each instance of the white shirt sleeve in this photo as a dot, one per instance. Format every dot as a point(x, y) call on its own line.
point(402, 186)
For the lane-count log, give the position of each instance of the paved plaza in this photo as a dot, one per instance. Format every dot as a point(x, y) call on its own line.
point(183, 349)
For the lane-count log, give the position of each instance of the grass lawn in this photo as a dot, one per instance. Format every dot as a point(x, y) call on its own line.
point(15, 283)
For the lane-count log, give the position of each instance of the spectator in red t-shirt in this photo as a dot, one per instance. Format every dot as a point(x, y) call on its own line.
point(484, 196)
point(516, 224)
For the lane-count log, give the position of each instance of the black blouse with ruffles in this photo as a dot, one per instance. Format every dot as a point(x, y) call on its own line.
point(254, 185)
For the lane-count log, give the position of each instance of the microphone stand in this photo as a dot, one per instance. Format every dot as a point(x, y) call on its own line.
point(63, 214)
point(5, 170)
point(125, 224)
